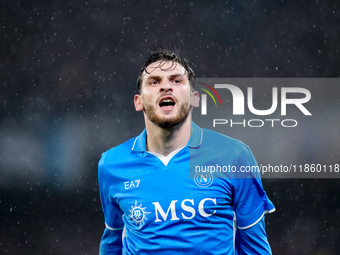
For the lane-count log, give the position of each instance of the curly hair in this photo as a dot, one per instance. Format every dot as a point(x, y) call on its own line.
point(165, 55)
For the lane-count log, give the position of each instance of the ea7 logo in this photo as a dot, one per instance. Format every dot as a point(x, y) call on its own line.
point(238, 100)
point(188, 211)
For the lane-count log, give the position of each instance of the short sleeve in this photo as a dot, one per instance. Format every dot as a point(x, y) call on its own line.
point(250, 201)
point(252, 240)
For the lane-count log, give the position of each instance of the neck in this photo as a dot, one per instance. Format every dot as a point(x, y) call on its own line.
point(165, 141)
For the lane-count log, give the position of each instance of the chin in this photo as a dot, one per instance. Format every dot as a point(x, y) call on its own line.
point(167, 120)
point(168, 123)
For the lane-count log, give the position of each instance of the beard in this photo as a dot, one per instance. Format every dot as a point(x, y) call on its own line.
point(165, 122)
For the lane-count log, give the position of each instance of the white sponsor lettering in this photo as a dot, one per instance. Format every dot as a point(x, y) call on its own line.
point(131, 184)
point(201, 207)
point(161, 215)
point(188, 209)
point(164, 215)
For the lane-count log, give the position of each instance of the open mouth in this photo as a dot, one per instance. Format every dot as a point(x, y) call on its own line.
point(167, 103)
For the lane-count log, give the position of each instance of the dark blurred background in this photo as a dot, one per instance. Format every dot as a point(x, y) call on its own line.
point(68, 72)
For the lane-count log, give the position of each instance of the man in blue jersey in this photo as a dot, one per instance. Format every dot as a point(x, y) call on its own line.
point(151, 204)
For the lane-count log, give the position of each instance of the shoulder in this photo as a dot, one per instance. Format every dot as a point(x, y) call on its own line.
point(217, 141)
point(117, 153)
point(223, 150)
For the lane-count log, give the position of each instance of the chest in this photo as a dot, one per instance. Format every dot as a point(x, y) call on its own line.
point(153, 193)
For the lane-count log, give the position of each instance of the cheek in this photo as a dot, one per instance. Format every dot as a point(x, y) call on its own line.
point(147, 99)
point(185, 93)
point(148, 92)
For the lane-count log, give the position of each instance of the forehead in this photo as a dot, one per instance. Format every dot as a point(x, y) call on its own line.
point(164, 68)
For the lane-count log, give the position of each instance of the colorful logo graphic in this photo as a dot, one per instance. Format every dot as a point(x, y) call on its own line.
point(204, 97)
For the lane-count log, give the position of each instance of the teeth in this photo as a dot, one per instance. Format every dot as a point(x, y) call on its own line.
point(167, 101)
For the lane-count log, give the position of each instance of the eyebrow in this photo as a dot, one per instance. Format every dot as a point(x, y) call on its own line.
point(156, 77)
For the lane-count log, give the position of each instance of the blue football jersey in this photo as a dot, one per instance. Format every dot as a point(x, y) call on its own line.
point(179, 207)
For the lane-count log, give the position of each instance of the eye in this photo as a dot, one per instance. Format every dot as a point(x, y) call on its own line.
point(154, 82)
point(177, 81)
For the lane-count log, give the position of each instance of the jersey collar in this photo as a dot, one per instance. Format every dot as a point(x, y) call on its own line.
point(195, 140)
point(140, 142)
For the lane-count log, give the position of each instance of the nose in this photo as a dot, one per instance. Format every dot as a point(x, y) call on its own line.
point(166, 87)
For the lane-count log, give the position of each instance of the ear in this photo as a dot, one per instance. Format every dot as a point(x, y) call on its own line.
point(195, 99)
point(138, 103)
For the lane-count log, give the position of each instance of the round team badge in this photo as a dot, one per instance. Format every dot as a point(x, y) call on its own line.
point(203, 179)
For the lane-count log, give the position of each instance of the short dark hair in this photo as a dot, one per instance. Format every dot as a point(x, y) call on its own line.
point(160, 53)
